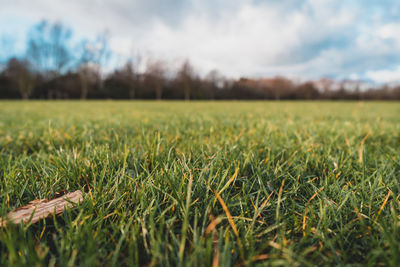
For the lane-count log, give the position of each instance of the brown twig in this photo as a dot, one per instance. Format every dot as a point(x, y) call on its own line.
point(41, 208)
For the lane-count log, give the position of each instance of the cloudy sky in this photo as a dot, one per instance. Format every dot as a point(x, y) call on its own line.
point(356, 39)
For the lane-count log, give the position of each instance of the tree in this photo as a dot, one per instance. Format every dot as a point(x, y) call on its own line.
point(155, 76)
point(307, 91)
point(48, 48)
point(93, 55)
point(326, 85)
point(88, 75)
point(281, 86)
point(129, 78)
point(20, 72)
point(121, 84)
point(185, 75)
point(213, 82)
point(96, 51)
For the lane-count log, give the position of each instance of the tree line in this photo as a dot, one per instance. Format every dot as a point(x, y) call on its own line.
point(54, 66)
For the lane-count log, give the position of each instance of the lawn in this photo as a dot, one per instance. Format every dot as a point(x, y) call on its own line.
point(203, 183)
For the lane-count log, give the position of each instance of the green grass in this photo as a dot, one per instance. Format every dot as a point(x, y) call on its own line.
point(157, 174)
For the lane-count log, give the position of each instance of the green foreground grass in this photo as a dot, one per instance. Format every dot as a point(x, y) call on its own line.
point(202, 183)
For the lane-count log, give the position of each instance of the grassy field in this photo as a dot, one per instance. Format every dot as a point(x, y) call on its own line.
point(202, 183)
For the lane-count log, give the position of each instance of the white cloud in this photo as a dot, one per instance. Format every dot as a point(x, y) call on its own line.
point(384, 76)
point(253, 40)
point(310, 38)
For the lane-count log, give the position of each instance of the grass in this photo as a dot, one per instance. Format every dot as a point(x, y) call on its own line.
point(202, 183)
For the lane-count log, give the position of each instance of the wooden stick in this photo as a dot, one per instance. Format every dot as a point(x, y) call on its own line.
point(41, 208)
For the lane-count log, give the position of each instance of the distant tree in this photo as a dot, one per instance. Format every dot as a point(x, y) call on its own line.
point(155, 76)
point(7, 88)
point(396, 93)
point(122, 82)
point(88, 75)
point(93, 55)
point(326, 85)
point(213, 81)
point(307, 91)
point(96, 51)
point(341, 93)
point(48, 48)
point(186, 75)
point(20, 72)
point(68, 85)
point(129, 76)
point(281, 86)
point(50, 52)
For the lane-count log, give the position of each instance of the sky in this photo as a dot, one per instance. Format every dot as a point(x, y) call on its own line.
point(348, 39)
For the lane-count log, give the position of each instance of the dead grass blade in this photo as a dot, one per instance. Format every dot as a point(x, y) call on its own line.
point(279, 201)
point(233, 177)
point(384, 204)
point(231, 222)
point(213, 224)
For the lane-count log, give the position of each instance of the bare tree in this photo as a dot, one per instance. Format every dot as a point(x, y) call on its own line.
point(281, 86)
point(307, 91)
point(19, 71)
point(326, 85)
point(88, 75)
point(93, 55)
point(129, 76)
point(48, 48)
point(96, 51)
point(213, 80)
point(185, 75)
point(155, 76)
